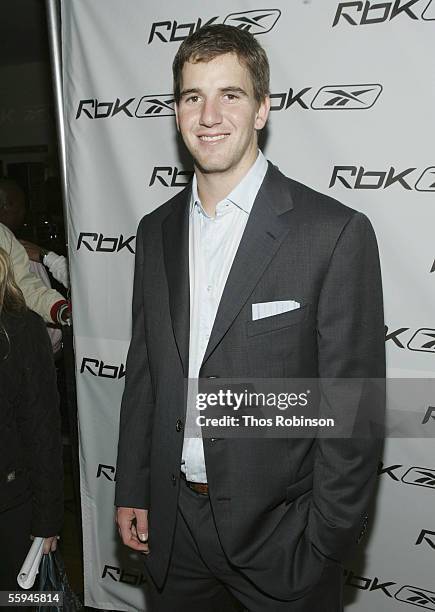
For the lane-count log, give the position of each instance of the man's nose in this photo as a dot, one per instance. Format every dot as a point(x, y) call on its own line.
point(210, 113)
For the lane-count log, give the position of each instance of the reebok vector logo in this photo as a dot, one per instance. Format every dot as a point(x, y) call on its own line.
point(423, 340)
point(348, 97)
point(421, 477)
point(417, 597)
point(254, 22)
point(156, 106)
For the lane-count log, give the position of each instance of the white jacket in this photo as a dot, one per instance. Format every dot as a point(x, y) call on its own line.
point(38, 297)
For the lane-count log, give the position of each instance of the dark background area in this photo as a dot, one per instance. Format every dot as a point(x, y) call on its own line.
point(23, 32)
point(28, 145)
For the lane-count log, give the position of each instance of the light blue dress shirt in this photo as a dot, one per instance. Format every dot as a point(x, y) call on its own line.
point(213, 243)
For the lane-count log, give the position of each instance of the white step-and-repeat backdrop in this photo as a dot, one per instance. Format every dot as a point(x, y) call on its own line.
point(353, 99)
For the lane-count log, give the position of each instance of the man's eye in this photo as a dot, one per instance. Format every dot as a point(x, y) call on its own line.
point(192, 99)
point(231, 97)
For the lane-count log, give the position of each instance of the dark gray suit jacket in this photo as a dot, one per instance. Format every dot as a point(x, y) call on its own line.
point(281, 505)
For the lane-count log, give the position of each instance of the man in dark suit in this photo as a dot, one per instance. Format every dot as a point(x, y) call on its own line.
point(245, 273)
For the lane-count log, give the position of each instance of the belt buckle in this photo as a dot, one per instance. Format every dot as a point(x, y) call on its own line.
point(201, 488)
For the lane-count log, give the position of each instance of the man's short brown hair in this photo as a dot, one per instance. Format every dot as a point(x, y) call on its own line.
point(214, 40)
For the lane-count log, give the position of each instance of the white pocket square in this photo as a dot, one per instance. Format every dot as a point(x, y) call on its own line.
point(270, 309)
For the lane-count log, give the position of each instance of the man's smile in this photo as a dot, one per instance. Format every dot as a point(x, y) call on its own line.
point(212, 137)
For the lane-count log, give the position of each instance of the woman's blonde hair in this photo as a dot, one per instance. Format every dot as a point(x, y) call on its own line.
point(11, 298)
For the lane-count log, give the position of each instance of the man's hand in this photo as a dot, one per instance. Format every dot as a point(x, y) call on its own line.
point(50, 545)
point(133, 528)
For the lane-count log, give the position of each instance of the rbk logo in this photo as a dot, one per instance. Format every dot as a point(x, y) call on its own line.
point(417, 597)
point(254, 22)
point(97, 367)
point(357, 177)
point(156, 106)
point(369, 13)
point(348, 97)
point(170, 177)
point(328, 97)
point(104, 244)
point(426, 536)
point(96, 109)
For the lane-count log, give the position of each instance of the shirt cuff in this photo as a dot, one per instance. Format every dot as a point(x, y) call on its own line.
point(54, 311)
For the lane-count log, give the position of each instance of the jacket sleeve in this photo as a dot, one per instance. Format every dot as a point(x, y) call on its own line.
point(137, 407)
point(351, 350)
point(39, 298)
point(38, 422)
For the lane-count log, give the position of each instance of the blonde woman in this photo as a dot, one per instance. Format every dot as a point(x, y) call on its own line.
point(31, 473)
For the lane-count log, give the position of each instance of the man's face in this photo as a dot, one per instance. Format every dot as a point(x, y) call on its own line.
point(218, 116)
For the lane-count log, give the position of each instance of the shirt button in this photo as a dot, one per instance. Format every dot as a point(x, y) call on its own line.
point(179, 425)
point(209, 287)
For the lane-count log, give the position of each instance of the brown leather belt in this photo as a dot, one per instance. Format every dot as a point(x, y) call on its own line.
point(199, 487)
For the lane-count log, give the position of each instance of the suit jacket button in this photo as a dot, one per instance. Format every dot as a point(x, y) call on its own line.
point(174, 479)
point(179, 425)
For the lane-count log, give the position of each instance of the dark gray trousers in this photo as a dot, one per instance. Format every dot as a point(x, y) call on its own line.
point(200, 578)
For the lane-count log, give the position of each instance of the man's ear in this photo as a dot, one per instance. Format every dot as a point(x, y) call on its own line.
point(262, 113)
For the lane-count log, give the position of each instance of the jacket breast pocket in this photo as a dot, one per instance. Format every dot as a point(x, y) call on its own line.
point(276, 322)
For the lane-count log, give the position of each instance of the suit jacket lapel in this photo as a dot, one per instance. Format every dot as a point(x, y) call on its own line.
point(267, 226)
point(175, 230)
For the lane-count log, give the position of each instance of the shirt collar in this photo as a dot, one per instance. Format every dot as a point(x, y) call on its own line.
point(243, 194)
